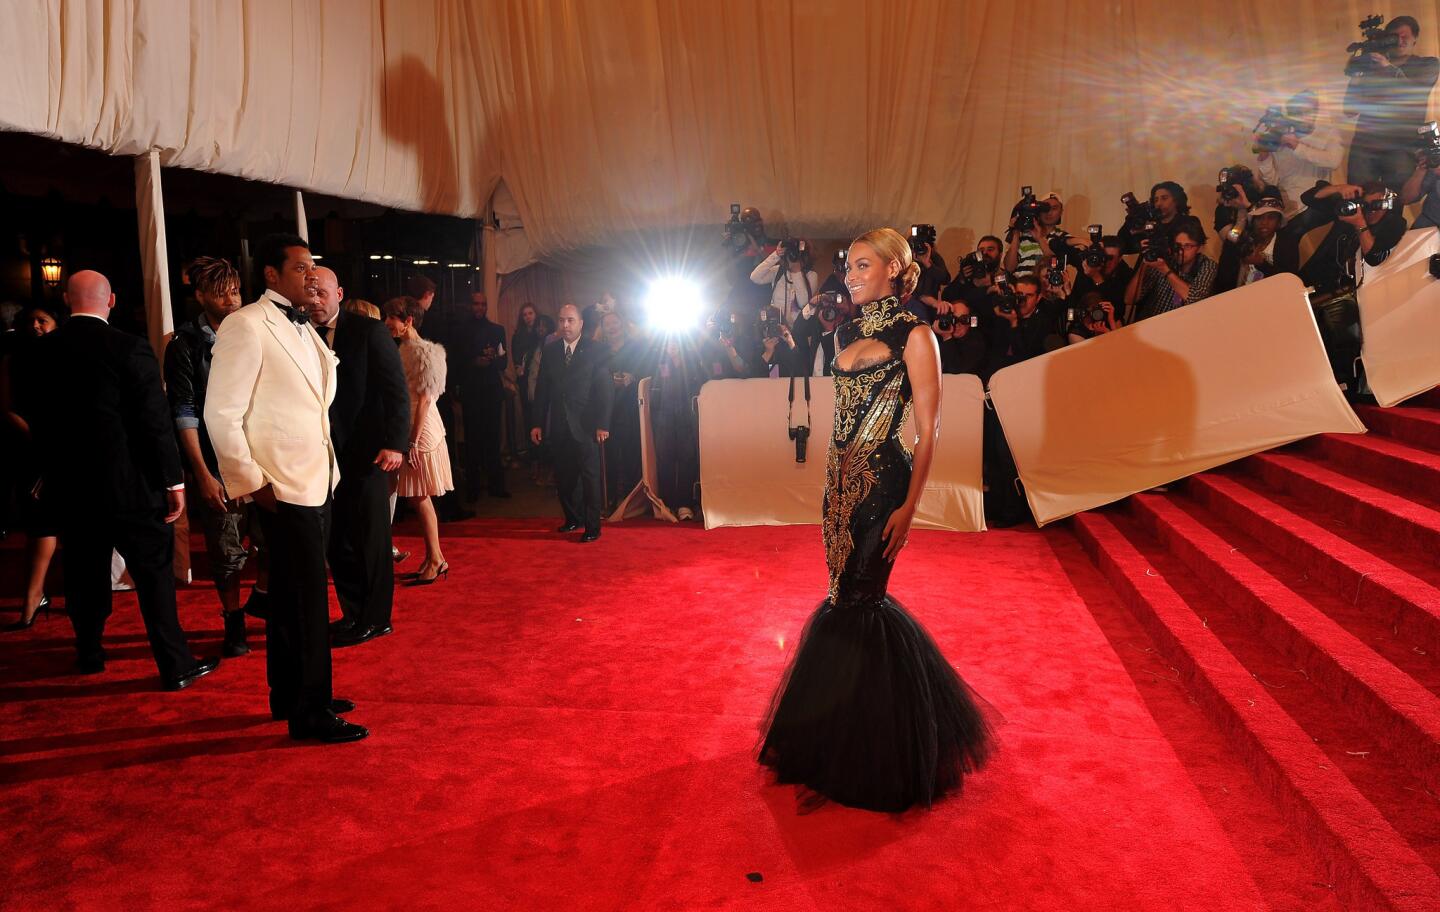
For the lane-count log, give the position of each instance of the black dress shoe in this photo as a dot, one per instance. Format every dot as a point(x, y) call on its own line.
point(354, 636)
point(337, 706)
point(201, 669)
point(590, 537)
point(89, 665)
point(327, 728)
point(258, 605)
point(568, 527)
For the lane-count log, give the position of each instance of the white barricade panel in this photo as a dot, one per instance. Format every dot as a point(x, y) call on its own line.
point(1168, 397)
point(748, 473)
point(1400, 320)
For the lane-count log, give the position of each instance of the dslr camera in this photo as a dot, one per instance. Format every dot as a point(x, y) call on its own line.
point(1374, 40)
point(1344, 207)
point(1028, 209)
point(793, 249)
point(921, 235)
point(1006, 301)
point(1274, 125)
point(1136, 212)
point(770, 324)
point(975, 265)
point(948, 322)
point(1095, 256)
point(1157, 246)
point(1232, 180)
point(1429, 144)
point(801, 436)
point(735, 236)
point(830, 303)
point(1054, 273)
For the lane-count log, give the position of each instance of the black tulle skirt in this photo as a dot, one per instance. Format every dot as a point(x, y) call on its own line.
point(871, 715)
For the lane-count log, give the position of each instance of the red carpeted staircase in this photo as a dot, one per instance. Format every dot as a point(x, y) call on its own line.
point(1297, 594)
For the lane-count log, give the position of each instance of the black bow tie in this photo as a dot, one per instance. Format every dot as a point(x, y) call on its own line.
point(293, 314)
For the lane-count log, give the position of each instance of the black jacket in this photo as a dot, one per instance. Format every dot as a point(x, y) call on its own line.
point(371, 411)
point(576, 397)
point(1286, 258)
point(809, 332)
point(104, 429)
point(187, 374)
point(1331, 266)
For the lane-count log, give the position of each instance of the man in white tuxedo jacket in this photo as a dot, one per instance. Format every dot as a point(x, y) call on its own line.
point(267, 406)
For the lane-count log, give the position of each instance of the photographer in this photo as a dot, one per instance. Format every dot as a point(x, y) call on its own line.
point(729, 347)
point(778, 354)
point(814, 332)
point(793, 286)
point(976, 279)
point(835, 281)
point(1102, 269)
point(1356, 240)
point(1172, 272)
point(1390, 92)
point(934, 274)
point(1034, 223)
point(1423, 183)
point(1236, 188)
point(1168, 205)
point(962, 344)
point(1255, 248)
point(1090, 315)
point(746, 240)
point(1023, 326)
point(1293, 149)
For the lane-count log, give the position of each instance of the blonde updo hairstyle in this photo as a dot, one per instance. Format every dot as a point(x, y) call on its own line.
point(890, 244)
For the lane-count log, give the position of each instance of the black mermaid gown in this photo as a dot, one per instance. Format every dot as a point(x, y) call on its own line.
point(869, 713)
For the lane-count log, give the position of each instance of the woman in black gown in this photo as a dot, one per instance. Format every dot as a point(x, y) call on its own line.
point(869, 713)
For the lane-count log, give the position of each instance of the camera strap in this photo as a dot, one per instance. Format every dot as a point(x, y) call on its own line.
point(790, 413)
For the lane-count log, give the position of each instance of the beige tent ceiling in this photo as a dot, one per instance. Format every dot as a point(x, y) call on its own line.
point(611, 116)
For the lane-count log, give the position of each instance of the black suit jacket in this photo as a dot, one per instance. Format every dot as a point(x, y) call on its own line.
point(371, 410)
point(809, 332)
point(104, 428)
point(575, 397)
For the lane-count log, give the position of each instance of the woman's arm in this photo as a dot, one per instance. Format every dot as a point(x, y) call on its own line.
point(922, 362)
point(417, 420)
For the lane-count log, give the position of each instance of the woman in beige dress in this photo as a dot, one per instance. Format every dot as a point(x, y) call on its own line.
point(426, 472)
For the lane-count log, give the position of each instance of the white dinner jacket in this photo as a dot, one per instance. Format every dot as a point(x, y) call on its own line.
point(267, 413)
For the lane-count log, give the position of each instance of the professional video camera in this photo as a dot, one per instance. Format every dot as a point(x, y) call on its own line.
point(1375, 40)
point(1344, 207)
point(1232, 180)
point(976, 265)
point(830, 304)
point(1430, 144)
point(1029, 209)
point(1054, 273)
point(793, 249)
point(1095, 255)
point(920, 235)
point(1157, 244)
point(735, 234)
point(1272, 128)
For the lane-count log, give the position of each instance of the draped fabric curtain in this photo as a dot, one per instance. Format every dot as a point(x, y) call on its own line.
point(613, 118)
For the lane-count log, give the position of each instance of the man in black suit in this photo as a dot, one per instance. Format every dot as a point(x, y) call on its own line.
point(114, 471)
point(573, 395)
point(369, 425)
point(479, 345)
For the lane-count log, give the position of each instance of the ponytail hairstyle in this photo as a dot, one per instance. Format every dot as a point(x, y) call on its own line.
point(889, 245)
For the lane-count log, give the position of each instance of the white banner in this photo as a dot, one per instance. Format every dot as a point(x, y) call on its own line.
point(1400, 320)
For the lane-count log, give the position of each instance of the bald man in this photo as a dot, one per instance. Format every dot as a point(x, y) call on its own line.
point(369, 426)
point(113, 469)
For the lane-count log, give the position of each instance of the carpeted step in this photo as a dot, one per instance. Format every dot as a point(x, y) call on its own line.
point(1416, 426)
point(1428, 399)
point(1373, 867)
point(1403, 713)
point(1402, 600)
point(1391, 517)
point(1384, 462)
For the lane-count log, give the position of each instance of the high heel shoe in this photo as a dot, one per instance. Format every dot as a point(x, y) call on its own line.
point(27, 623)
point(441, 572)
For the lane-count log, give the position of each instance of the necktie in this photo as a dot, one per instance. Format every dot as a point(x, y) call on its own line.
point(327, 333)
point(569, 353)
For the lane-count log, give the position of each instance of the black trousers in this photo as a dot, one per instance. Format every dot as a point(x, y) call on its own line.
point(297, 635)
point(622, 450)
point(677, 458)
point(147, 543)
point(577, 475)
point(359, 550)
point(484, 418)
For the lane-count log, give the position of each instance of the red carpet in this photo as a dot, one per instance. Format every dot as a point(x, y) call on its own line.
point(566, 727)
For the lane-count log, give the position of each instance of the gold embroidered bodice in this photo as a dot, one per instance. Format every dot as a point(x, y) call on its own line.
point(867, 472)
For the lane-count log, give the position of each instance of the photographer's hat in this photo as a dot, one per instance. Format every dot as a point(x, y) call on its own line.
point(1267, 206)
